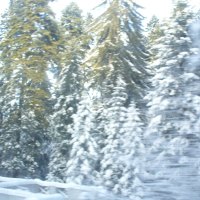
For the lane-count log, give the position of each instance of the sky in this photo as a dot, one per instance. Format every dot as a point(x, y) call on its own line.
point(150, 6)
point(160, 8)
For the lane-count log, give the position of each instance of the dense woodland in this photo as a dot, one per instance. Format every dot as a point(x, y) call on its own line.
point(102, 101)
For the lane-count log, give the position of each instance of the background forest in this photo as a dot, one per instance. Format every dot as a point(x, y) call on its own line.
point(102, 101)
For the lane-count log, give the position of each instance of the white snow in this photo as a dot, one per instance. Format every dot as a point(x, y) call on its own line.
point(49, 190)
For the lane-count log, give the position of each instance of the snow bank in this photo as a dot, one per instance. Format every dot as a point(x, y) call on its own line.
point(35, 189)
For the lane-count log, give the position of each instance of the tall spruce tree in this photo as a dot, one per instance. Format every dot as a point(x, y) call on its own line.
point(68, 91)
point(118, 49)
point(111, 165)
point(153, 33)
point(153, 29)
point(170, 135)
point(116, 65)
point(81, 166)
point(131, 183)
point(29, 45)
point(123, 149)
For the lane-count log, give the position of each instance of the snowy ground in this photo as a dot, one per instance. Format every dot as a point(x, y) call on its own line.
point(29, 189)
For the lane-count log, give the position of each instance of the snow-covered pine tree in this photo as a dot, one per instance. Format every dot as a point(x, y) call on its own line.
point(153, 33)
point(68, 90)
point(190, 124)
point(167, 141)
point(117, 57)
point(121, 165)
point(117, 50)
point(29, 46)
point(111, 165)
point(192, 74)
point(116, 64)
point(82, 162)
point(153, 29)
point(71, 20)
point(131, 182)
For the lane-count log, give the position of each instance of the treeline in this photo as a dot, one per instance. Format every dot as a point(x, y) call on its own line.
point(99, 101)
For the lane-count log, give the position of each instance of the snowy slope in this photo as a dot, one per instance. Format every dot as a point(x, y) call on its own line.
point(34, 189)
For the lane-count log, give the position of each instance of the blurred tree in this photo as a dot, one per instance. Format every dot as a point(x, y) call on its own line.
point(154, 33)
point(169, 136)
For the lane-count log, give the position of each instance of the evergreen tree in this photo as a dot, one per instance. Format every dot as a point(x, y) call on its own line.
point(68, 90)
point(118, 50)
point(154, 32)
point(153, 29)
point(169, 141)
point(121, 164)
point(116, 65)
point(111, 165)
point(89, 19)
point(30, 44)
point(81, 166)
point(72, 20)
point(131, 183)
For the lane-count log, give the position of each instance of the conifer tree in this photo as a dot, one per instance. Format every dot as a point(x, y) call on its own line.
point(69, 87)
point(153, 29)
point(72, 20)
point(131, 183)
point(111, 166)
point(118, 49)
point(169, 140)
point(89, 19)
point(116, 65)
point(30, 44)
point(81, 166)
point(154, 32)
point(121, 164)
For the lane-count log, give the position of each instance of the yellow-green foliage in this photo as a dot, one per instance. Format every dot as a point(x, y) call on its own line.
point(32, 41)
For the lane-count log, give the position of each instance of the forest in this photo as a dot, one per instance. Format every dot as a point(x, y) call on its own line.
point(102, 101)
